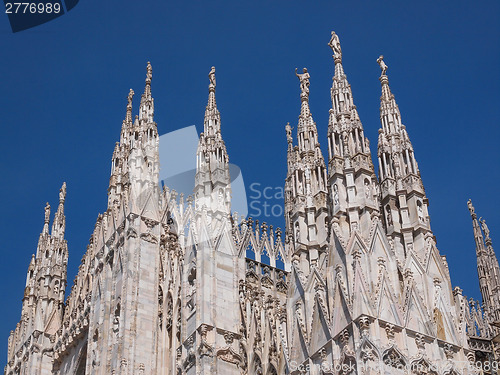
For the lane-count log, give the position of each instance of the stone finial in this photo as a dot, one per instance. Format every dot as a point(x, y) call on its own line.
point(382, 64)
point(334, 44)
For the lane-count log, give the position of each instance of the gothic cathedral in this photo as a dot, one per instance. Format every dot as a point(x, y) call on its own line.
point(170, 285)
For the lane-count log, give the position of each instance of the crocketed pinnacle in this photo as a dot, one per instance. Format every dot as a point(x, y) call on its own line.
point(344, 113)
point(212, 115)
point(307, 133)
point(146, 111)
point(128, 116)
point(47, 219)
point(59, 224)
point(389, 110)
point(487, 266)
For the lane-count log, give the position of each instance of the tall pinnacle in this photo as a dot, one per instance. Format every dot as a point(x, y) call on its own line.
point(306, 182)
point(389, 110)
point(307, 132)
point(344, 118)
point(59, 225)
point(487, 267)
point(352, 180)
point(128, 117)
point(212, 115)
point(146, 111)
point(399, 159)
point(334, 44)
point(47, 219)
point(212, 181)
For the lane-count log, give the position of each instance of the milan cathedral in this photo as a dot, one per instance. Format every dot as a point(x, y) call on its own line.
point(170, 285)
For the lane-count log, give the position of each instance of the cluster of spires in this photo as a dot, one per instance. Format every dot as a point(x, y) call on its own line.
point(346, 141)
point(487, 267)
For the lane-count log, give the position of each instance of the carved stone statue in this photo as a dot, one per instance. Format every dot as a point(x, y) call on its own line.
point(367, 189)
point(129, 98)
point(149, 74)
point(335, 195)
point(304, 82)
point(288, 130)
point(420, 210)
point(62, 193)
point(486, 230)
point(47, 212)
point(471, 207)
point(334, 44)
point(211, 76)
point(382, 64)
point(388, 215)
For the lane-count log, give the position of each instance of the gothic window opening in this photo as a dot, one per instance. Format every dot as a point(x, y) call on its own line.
point(392, 358)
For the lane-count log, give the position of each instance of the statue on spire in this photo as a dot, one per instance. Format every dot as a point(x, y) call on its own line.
point(334, 44)
point(129, 105)
point(288, 130)
point(211, 77)
point(486, 230)
point(47, 212)
point(149, 74)
point(470, 206)
point(304, 82)
point(382, 64)
point(129, 98)
point(62, 193)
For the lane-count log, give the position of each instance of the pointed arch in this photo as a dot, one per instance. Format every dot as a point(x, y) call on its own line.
point(392, 357)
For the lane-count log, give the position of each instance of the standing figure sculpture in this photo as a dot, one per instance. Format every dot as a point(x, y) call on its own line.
point(334, 44)
point(62, 192)
point(304, 82)
point(211, 76)
point(149, 73)
point(470, 206)
point(130, 96)
point(47, 212)
point(382, 64)
point(486, 230)
point(288, 130)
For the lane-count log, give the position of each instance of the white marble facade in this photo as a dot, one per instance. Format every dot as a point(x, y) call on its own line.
point(165, 286)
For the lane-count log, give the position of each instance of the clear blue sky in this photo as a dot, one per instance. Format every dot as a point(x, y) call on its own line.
point(64, 86)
